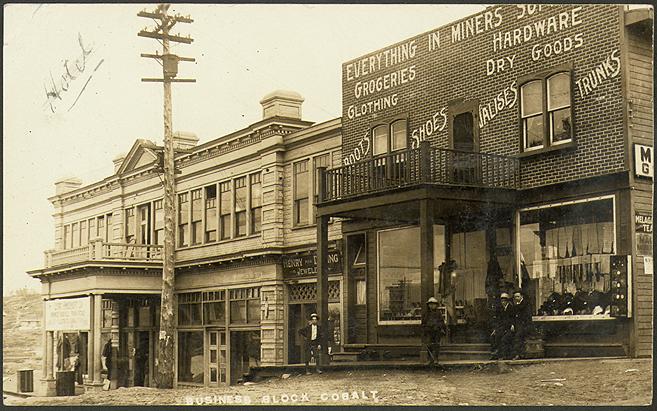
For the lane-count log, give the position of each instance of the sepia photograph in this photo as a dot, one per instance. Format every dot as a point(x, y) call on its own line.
point(328, 205)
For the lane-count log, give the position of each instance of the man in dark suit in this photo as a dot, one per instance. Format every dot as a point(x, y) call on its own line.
point(504, 328)
point(522, 323)
point(312, 335)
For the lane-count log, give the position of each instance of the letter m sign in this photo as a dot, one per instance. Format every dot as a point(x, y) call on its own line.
point(643, 161)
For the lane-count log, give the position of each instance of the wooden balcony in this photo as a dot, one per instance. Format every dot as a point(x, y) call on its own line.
point(99, 251)
point(425, 165)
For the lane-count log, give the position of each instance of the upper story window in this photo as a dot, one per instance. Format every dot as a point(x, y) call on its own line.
point(240, 206)
point(210, 213)
point(159, 222)
point(300, 211)
point(183, 219)
point(389, 137)
point(546, 110)
point(130, 225)
point(225, 209)
point(144, 224)
point(256, 203)
point(197, 216)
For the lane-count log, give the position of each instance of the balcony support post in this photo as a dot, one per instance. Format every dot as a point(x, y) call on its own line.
point(322, 268)
point(426, 251)
point(425, 162)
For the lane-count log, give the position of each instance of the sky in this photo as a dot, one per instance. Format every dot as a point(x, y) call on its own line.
point(73, 98)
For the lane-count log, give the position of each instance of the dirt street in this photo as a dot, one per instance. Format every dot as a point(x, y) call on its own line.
point(599, 382)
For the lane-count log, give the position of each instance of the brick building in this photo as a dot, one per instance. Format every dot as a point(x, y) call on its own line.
point(510, 149)
point(244, 254)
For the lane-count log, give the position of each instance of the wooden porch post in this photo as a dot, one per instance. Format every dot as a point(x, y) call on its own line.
point(322, 268)
point(426, 252)
point(97, 341)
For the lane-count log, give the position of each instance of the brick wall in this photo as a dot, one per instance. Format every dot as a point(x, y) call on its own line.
point(460, 70)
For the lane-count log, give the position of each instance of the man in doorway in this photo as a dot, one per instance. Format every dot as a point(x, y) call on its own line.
point(433, 327)
point(504, 328)
point(522, 323)
point(106, 358)
point(312, 335)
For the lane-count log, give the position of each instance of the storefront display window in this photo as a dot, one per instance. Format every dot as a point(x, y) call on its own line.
point(565, 250)
point(189, 309)
point(399, 272)
point(245, 305)
point(190, 357)
point(214, 307)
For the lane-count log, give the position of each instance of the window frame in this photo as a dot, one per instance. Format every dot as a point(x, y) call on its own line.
point(240, 183)
point(297, 198)
point(255, 227)
point(543, 77)
point(456, 108)
point(389, 137)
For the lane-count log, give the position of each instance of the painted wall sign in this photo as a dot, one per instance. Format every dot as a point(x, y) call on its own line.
point(487, 58)
point(68, 314)
point(643, 161)
point(305, 265)
point(643, 230)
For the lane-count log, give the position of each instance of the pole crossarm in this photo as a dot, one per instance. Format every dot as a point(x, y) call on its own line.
point(172, 80)
point(163, 36)
point(159, 56)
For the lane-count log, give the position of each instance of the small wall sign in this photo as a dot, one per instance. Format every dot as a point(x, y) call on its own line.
point(643, 161)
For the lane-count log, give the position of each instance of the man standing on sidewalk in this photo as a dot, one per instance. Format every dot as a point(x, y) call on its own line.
point(522, 323)
point(312, 335)
point(433, 327)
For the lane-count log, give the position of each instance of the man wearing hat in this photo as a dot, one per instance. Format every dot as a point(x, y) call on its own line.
point(522, 323)
point(312, 335)
point(433, 327)
point(504, 328)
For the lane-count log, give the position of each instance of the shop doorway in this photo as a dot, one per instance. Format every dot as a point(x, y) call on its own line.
point(357, 298)
point(298, 315)
point(142, 359)
point(217, 358)
point(244, 353)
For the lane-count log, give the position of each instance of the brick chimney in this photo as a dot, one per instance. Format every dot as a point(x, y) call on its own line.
point(118, 160)
point(184, 140)
point(67, 184)
point(282, 103)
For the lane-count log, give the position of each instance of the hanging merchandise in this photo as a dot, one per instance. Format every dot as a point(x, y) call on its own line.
point(568, 234)
point(607, 237)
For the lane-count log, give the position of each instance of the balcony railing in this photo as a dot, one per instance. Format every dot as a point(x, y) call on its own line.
point(423, 165)
point(98, 250)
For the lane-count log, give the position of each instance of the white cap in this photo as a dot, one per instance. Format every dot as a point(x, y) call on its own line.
point(432, 300)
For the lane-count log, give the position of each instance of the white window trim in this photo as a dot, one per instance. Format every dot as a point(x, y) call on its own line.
point(547, 97)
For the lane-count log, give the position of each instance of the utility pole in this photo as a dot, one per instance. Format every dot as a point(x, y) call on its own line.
point(164, 360)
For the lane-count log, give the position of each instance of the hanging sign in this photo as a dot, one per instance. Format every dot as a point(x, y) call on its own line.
point(643, 161)
point(305, 265)
point(68, 314)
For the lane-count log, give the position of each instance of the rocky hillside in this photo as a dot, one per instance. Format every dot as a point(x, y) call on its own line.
point(22, 320)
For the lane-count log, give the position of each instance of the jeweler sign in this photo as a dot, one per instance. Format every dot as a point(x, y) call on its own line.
point(305, 265)
point(68, 314)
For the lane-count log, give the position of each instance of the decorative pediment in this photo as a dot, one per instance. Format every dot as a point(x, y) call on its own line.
point(140, 154)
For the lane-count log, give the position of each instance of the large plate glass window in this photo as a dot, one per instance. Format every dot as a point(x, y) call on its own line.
point(398, 257)
point(565, 250)
point(190, 357)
